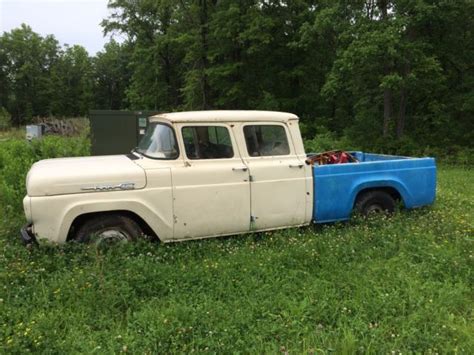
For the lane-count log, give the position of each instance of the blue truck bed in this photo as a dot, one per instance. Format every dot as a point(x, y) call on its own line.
point(337, 186)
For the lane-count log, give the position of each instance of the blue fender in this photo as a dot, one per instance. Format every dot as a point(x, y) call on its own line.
point(371, 184)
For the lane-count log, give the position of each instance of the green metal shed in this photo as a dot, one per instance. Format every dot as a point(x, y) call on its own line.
point(116, 131)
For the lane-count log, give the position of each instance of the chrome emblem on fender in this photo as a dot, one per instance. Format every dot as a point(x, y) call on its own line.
point(122, 186)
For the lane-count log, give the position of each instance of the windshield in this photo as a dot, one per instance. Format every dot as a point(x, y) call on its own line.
point(159, 142)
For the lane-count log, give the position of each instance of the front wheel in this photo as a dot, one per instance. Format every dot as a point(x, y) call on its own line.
point(108, 229)
point(375, 202)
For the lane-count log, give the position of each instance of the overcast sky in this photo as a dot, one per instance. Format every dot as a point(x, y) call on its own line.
point(70, 21)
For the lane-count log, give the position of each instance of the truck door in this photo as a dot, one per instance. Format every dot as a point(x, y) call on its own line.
point(278, 181)
point(211, 191)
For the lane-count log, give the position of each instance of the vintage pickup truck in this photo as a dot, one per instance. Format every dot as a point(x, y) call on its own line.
point(213, 173)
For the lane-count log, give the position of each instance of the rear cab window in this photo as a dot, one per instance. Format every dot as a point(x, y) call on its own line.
point(266, 140)
point(207, 142)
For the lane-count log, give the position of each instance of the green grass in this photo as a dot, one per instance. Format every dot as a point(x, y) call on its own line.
point(13, 133)
point(403, 284)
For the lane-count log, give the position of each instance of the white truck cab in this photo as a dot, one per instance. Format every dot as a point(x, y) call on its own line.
point(193, 175)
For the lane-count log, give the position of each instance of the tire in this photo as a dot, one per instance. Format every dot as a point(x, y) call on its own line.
point(107, 229)
point(375, 202)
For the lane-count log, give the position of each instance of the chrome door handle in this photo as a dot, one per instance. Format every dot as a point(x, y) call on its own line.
point(296, 166)
point(240, 168)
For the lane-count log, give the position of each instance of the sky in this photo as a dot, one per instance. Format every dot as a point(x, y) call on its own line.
point(70, 21)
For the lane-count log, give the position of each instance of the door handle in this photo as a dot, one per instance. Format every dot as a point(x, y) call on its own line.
point(240, 168)
point(296, 166)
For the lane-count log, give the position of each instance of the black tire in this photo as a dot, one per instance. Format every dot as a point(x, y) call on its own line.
point(108, 228)
point(375, 202)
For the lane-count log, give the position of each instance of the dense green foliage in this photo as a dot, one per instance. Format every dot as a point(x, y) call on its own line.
point(389, 75)
point(386, 74)
point(16, 158)
point(378, 286)
point(40, 78)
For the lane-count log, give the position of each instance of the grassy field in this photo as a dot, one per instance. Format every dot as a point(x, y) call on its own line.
point(397, 285)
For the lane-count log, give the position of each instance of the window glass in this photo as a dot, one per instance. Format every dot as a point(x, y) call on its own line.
point(207, 142)
point(266, 140)
point(159, 142)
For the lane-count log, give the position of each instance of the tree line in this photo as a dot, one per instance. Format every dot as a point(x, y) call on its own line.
point(381, 73)
point(41, 78)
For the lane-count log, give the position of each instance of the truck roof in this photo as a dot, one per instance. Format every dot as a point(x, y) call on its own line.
point(225, 116)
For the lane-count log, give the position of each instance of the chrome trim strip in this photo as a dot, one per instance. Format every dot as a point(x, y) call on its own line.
point(122, 186)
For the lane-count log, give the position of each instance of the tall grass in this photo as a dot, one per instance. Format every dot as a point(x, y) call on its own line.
point(394, 285)
point(16, 158)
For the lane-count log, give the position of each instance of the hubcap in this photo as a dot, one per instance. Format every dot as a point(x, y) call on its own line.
point(375, 208)
point(110, 236)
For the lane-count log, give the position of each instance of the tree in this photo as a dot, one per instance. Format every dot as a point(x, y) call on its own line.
point(383, 60)
point(72, 82)
point(111, 74)
point(26, 60)
point(156, 55)
point(447, 29)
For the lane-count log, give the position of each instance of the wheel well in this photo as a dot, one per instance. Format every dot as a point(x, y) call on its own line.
point(81, 219)
point(393, 192)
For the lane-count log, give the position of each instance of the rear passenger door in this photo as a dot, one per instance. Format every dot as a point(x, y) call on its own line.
point(211, 191)
point(277, 176)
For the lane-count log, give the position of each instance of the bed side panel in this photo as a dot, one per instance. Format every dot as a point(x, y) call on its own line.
point(336, 186)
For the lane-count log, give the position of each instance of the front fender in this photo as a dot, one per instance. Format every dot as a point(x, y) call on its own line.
point(157, 223)
point(53, 215)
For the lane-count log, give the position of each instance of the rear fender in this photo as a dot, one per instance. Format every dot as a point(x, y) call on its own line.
point(335, 196)
point(373, 184)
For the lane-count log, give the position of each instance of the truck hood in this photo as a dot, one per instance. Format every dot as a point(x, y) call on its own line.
point(80, 175)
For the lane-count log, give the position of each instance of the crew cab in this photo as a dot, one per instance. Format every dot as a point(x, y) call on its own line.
point(214, 173)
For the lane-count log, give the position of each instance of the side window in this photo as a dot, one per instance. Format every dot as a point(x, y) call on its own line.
point(207, 142)
point(266, 140)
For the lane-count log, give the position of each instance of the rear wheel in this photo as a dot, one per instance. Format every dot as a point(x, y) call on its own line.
point(375, 202)
point(108, 229)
